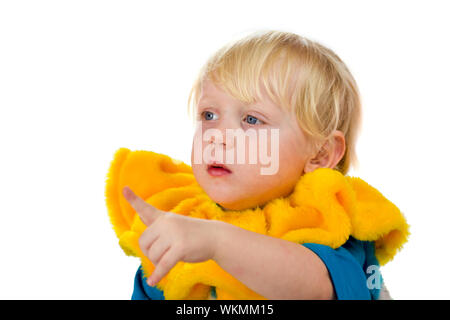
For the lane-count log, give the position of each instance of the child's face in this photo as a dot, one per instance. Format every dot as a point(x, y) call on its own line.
point(243, 185)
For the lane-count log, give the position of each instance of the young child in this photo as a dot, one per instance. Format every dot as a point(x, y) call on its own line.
point(273, 231)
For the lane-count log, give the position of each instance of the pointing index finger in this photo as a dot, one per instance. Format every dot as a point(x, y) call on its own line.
point(146, 212)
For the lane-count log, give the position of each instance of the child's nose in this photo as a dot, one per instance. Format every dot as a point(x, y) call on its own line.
point(225, 139)
point(222, 141)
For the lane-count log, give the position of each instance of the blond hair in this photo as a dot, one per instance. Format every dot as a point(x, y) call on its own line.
point(297, 74)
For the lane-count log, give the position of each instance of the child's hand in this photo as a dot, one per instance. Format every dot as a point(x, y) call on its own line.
point(171, 237)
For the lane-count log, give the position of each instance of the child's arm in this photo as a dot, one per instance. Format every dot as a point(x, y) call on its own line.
point(272, 267)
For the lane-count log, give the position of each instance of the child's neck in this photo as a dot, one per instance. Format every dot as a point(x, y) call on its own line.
point(225, 209)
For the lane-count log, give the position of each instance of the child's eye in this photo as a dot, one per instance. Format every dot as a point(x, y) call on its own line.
point(208, 115)
point(253, 120)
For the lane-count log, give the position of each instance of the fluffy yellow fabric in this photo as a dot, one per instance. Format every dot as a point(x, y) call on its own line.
point(325, 207)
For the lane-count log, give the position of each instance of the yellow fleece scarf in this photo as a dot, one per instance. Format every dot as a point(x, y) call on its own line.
point(325, 207)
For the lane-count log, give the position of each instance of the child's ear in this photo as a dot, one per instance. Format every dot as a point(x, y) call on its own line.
point(329, 154)
point(317, 161)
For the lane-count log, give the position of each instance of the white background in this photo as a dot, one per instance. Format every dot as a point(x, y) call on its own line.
point(79, 79)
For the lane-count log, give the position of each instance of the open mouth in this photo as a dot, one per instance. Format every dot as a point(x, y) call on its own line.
point(217, 169)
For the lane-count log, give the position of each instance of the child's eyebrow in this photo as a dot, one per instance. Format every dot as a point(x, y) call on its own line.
point(212, 100)
point(208, 99)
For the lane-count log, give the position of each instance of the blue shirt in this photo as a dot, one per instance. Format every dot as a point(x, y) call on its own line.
point(353, 269)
